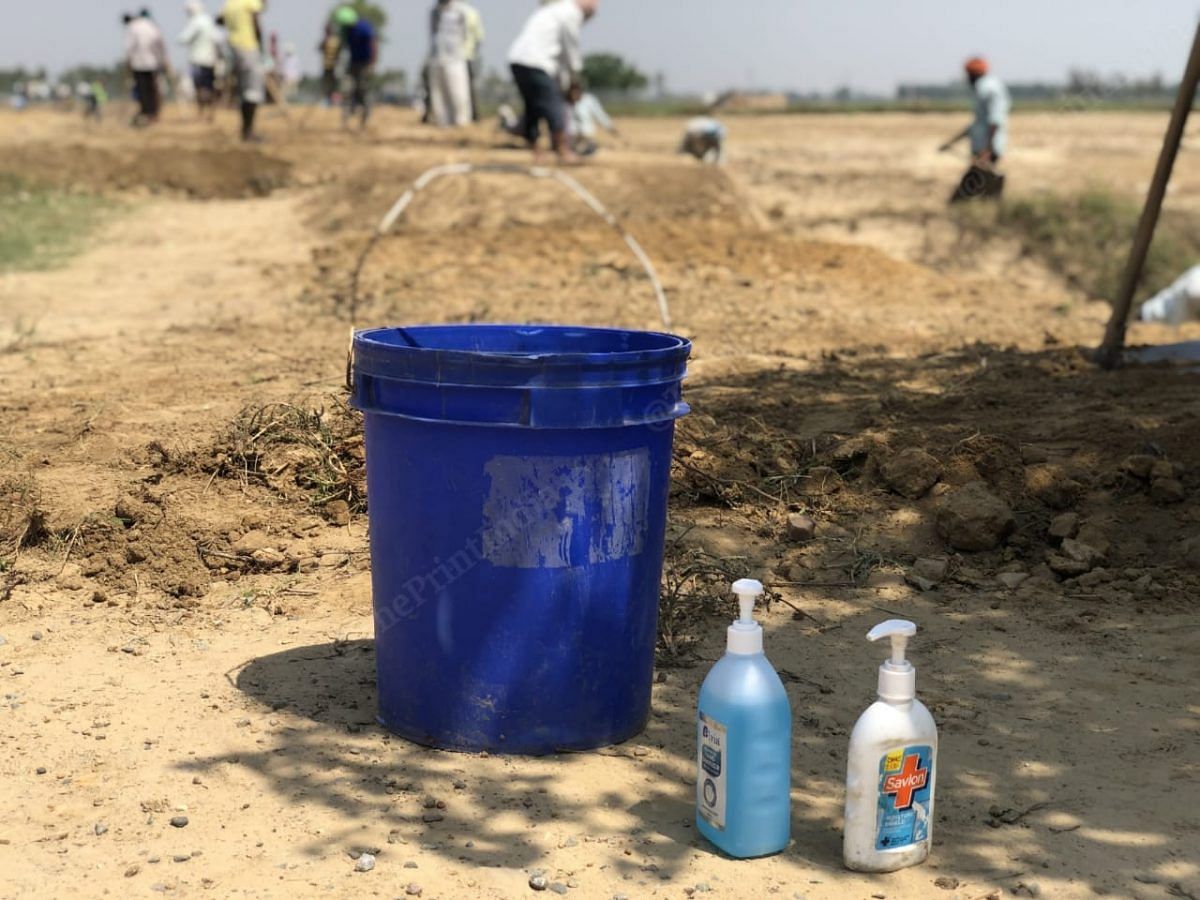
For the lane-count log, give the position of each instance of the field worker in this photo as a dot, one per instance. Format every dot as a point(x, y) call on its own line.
point(245, 41)
point(362, 48)
point(585, 117)
point(330, 49)
point(704, 138)
point(291, 72)
point(146, 57)
point(449, 74)
point(200, 37)
point(545, 55)
point(93, 96)
point(1177, 304)
point(474, 53)
point(989, 131)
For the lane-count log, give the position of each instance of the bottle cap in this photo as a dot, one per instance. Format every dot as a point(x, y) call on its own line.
point(745, 635)
point(897, 677)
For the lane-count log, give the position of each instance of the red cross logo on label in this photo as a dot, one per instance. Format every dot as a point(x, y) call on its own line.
point(906, 782)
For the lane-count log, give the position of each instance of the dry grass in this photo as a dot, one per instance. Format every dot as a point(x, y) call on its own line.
point(22, 519)
point(695, 588)
point(1085, 237)
point(296, 450)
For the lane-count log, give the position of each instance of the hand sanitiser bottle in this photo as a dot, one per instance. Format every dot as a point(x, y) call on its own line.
point(744, 756)
point(890, 773)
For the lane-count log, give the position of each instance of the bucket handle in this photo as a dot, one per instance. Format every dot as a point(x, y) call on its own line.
point(570, 183)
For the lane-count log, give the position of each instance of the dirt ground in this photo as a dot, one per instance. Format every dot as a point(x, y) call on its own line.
point(185, 620)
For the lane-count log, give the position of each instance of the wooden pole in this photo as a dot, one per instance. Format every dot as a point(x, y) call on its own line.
point(1109, 353)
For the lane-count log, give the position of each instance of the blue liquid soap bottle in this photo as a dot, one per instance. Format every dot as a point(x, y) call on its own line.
point(744, 755)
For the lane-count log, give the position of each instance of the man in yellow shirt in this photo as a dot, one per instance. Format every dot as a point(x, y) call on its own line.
point(245, 39)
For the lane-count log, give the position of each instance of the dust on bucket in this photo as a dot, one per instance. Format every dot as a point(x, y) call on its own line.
point(517, 479)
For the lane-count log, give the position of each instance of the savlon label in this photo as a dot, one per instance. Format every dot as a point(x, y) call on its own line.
point(712, 767)
point(905, 797)
point(554, 512)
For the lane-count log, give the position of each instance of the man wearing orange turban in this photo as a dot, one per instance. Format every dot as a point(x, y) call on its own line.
point(989, 131)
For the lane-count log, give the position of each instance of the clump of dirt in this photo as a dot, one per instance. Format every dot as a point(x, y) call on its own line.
point(141, 544)
point(22, 518)
point(202, 172)
point(301, 453)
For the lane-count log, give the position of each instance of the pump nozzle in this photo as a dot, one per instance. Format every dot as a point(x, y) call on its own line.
point(748, 590)
point(899, 630)
point(897, 677)
point(745, 635)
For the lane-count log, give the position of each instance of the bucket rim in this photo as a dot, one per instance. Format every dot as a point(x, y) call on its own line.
point(673, 345)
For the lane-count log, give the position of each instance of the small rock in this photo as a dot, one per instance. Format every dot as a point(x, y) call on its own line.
point(100, 829)
point(2, 640)
point(558, 887)
point(1167, 490)
point(1051, 485)
point(800, 528)
point(921, 584)
point(538, 882)
point(410, 865)
point(830, 531)
point(365, 863)
point(1093, 535)
point(338, 512)
point(973, 518)
point(1161, 469)
point(933, 569)
point(1138, 465)
point(1064, 525)
point(132, 870)
point(179, 821)
point(1145, 878)
point(1012, 580)
point(40, 770)
point(37, 635)
point(820, 481)
point(1085, 553)
point(252, 541)
point(431, 817)
point(945, 882)
point(703, 887)
point(268, 557)
point(413, 889)
point(181, 857)
point(911, 473)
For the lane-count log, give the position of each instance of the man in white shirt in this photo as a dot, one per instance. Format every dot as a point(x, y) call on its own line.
point(146, 57)
point(200, 37)
point(473, 52)
point(545, 55)
point(449, 74)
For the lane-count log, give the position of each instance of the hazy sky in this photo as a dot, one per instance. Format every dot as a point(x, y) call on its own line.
point(710, 44)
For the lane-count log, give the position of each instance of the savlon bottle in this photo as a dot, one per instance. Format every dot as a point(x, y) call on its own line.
point(890, 775)
point(744, 733)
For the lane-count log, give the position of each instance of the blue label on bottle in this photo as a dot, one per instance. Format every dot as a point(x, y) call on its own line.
point(905, 797)
point(712, 771)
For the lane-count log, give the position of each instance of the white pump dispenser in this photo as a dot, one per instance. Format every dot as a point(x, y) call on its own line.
point(745, 635)
point(891, 767)
point(897, 677)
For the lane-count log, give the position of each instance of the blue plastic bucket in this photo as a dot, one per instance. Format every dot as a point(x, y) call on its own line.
point(517, 478)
